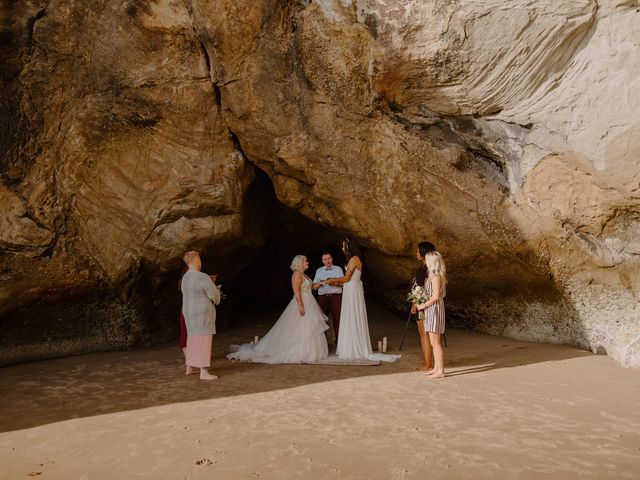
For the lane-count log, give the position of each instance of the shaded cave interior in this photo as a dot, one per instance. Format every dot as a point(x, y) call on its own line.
point(254, 272)
point(144, 308)
point(264, 280)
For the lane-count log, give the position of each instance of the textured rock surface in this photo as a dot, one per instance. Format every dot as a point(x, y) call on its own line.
point(505, 132)
point(131, 165)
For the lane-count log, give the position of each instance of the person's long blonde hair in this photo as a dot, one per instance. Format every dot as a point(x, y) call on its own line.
point(435, 265)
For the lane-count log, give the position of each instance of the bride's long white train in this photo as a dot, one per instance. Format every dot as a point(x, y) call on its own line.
point(294, 338)
point(354, 341)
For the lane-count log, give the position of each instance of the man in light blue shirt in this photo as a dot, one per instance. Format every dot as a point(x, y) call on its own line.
point(329, 297)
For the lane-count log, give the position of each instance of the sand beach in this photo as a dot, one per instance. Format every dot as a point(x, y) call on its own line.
point(507, 409)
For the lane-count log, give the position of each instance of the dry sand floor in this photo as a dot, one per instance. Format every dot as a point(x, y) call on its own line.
point(508, 409)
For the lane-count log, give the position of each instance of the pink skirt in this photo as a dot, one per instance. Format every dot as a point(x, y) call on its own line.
point(199, 350)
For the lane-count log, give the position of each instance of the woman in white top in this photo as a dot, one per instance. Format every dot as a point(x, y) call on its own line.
point(354, 341)
point(298, 335)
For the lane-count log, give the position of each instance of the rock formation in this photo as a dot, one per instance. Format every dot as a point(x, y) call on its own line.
point(505, 132)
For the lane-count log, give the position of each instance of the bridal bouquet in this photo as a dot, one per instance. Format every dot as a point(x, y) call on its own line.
point(417, 296)
point(223, 296)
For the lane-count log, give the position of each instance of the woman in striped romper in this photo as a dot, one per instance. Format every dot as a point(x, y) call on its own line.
point(434, 318)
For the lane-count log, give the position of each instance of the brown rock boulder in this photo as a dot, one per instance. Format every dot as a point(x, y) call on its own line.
point(134, 165)
point(400, 121)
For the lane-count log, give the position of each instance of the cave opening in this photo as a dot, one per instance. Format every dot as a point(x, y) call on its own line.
point(265, 280)
point(256, 278)
point(144, 308)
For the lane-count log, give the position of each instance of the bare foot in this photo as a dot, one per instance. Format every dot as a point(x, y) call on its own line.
point(205, 375)
point(423, 368)
point(190, 370)
point(435, 375)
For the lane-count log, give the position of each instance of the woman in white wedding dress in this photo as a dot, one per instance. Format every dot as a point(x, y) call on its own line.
point(354, 341)
point(298, 335)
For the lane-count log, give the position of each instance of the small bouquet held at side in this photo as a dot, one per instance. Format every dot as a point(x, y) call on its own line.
point(214, 278)
point(418, 296)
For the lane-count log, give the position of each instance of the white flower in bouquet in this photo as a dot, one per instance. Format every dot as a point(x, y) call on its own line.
point(417, 296)
point(223, 296)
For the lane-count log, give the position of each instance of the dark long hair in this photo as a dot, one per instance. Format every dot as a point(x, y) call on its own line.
point(426, 247)
point(351, 249)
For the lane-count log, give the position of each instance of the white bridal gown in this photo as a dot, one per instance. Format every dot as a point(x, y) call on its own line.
point(353, 340)
point(294, 338)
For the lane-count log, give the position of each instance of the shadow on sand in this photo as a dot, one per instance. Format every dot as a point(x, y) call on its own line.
point(50, 391)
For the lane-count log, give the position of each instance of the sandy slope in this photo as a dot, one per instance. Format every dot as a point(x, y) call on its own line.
point(508, 410)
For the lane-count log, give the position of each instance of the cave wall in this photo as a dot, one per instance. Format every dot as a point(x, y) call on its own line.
point(504, 132)
point(498, 130)
point(121, 162)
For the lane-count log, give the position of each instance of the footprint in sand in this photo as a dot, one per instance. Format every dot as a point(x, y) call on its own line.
point(400, 473)
point(294, 448)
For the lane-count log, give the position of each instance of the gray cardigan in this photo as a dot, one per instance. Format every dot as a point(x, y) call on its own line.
point(199, 294)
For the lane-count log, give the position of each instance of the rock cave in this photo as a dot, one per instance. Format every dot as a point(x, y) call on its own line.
point(505, 132)
point(254, 130)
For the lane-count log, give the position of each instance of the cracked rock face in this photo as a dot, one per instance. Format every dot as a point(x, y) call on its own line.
point(504, 132)
point(125, 164)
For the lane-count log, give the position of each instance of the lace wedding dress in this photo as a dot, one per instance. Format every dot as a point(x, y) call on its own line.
point(294, 338)
point(354, 341)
